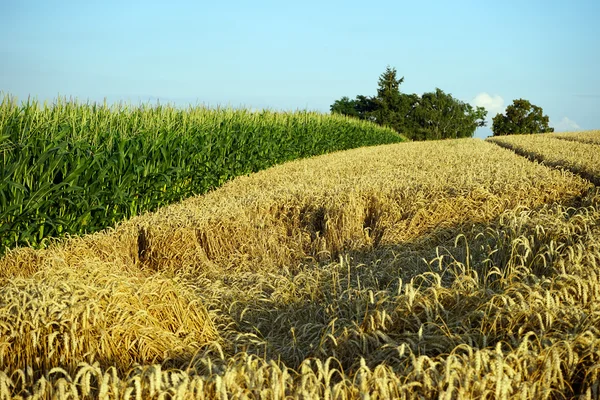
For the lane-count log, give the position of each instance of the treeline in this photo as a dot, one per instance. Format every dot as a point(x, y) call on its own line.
point(433, 115)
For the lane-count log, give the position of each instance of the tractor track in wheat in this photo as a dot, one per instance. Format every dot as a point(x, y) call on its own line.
point(579, 156)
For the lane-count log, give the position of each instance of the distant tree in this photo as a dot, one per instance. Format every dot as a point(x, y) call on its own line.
point(440, 116)
point(521, 117)
point(408, 125)
point(365, 106)
point(361, 108)
point(389, 86)
point(344, 106)
point(434, 115)
point(383, 108)
point(388, 101)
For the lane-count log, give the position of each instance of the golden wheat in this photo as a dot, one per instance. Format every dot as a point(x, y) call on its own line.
point(584, 137)
point(580, 157)
point(63, 317)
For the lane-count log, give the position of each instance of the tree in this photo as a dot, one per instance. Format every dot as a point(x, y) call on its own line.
point(388, 101)
point(383, 109)
point(344, 106)
point(389, 85)
point(365, 106)
point(434, 115)
point(521, 117)
point(440, 116)
point(361, 108)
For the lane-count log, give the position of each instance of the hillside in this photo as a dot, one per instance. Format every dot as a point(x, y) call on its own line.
point(449, 269)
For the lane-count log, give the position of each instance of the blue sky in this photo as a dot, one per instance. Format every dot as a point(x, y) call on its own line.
point(284, 55)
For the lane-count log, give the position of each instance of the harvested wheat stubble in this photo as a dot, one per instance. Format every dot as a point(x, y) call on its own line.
point(576, 156)
point(505, 306)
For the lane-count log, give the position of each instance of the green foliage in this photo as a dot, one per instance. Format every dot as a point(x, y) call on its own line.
point(434, 115)
point(345, 106)
point(521, 117)
point(71, 168)
point(388, 102)
point(362, 108)
point(440, 116)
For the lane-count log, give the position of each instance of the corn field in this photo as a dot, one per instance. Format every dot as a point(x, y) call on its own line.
point(73, 168)
point(452, 270)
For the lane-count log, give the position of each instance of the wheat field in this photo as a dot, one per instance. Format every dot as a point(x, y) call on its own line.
point(450, 269)
point(582, 136)
point(579, 154)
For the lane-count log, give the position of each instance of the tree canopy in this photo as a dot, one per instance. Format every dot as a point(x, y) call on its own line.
point(434, 115)
point(521, 117)
point(440, 116)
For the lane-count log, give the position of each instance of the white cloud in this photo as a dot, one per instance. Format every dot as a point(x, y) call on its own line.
point(564, 125)
point(493, 104)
